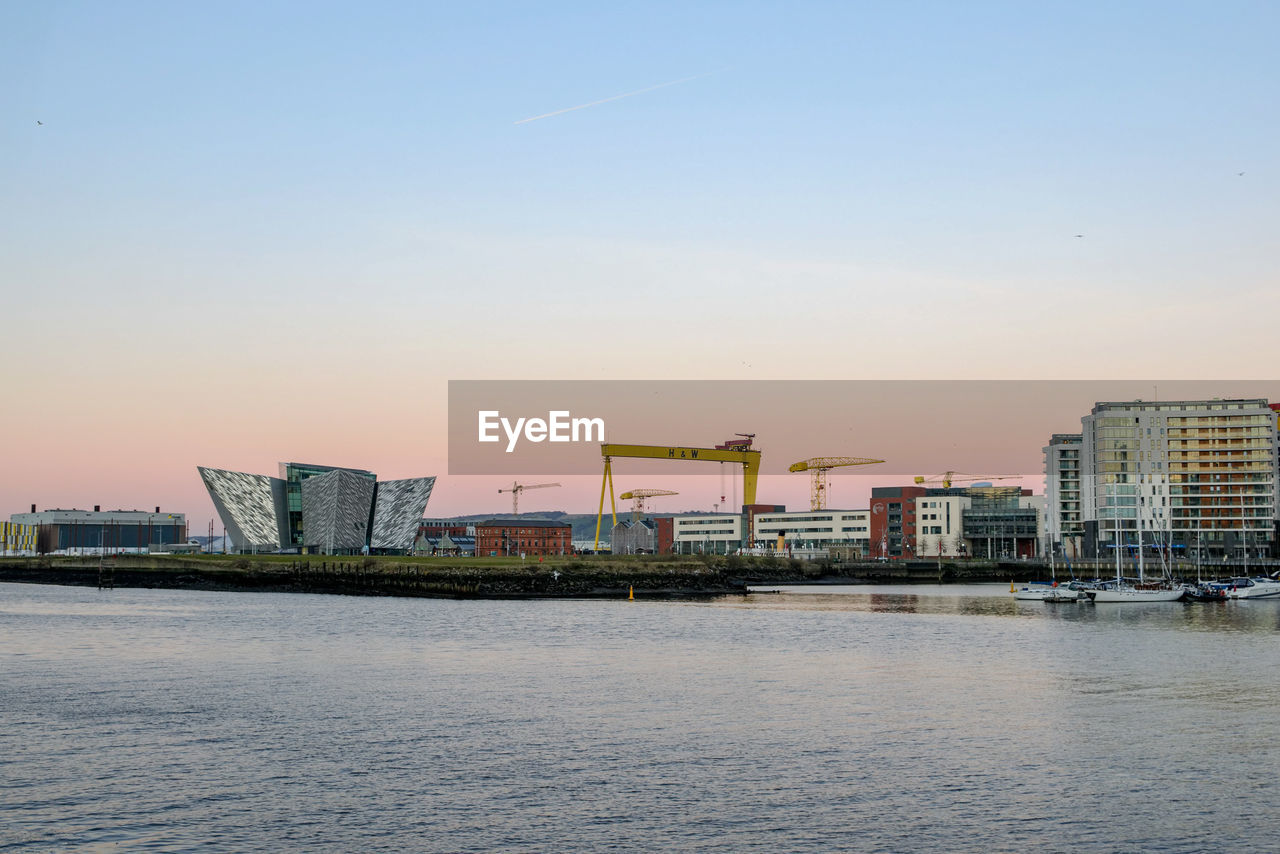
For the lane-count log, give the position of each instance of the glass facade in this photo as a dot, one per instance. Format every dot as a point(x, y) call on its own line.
point(1199, 474)
point(995, 521)
point(293, 474)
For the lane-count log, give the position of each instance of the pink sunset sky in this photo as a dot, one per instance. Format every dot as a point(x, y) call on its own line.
point(228, 241)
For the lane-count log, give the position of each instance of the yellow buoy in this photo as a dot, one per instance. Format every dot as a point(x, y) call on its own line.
point(631, 592)
point(1011, 590)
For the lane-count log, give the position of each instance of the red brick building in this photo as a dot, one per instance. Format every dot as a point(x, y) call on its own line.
point(523, 536)
point(666, 534)
point(434, 529)
point(893, 520)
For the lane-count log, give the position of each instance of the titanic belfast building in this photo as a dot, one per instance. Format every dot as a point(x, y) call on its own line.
point(318, 509)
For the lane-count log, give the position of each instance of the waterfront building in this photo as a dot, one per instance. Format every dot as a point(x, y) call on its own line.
point(634, 538)
point(518, 536)
point(939, 519)
point(18, 539)
point(445, 544)
point(665, 534)
point(893, 520)
point(1063, 521)
point(294, 475)
point(94, 531)
point(815, 529)
point(318, 509)
point(1002, 522)
point(336, 506)
point(958, 521)
point(1196, 476)
point(722, 533)
point(440, 527)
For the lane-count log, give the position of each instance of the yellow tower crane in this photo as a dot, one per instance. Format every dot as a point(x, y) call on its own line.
point(517, 488)
point(949, 477)
point(638, 496)
point(818, 468)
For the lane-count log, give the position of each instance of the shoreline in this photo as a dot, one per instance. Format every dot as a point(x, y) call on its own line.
point(569, 577)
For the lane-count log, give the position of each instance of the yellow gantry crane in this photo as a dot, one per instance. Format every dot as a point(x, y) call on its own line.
point(949, 477)
point(734, 451)
point(517, 488)
point(818, 468)
point(638, 497)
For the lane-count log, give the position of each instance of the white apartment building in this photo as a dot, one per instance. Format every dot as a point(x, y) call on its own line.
point(940, 525)
point(1199, 474)
point(815, 529)
point(718, 534)
point(1063, 523)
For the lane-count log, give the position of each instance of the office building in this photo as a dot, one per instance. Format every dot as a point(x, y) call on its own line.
point(815, 529)
point(711, 534)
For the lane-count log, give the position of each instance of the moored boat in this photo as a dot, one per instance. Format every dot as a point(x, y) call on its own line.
point(1251, 588)
point(1044, 591)
point(1205, 592)
point(1128, 593)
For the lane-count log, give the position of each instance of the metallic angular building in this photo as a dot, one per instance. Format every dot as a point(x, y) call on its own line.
point(335, 508)
point(398, 512)
point(322, 509)
point(251, 507)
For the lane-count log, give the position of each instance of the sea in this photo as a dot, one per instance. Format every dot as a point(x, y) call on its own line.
point(922, 718)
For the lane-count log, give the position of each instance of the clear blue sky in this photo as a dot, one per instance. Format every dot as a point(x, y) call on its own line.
point(309, 199)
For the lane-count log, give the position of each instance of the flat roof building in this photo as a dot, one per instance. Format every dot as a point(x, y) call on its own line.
point(1199, 476)
point(94, 531)
point(711, 534)
point(814, 529)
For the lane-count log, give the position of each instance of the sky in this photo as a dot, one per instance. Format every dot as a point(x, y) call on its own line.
point(237, 233)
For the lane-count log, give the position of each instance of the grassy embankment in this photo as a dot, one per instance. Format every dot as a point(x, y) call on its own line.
point(499, 577)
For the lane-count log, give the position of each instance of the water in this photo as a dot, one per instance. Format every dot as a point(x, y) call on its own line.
point(869, 719)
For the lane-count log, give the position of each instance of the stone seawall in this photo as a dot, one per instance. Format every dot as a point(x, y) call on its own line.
point(598, 576)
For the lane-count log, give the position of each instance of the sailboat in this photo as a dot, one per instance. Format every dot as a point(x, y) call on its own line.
point(1122, 591)
point(1047, 591)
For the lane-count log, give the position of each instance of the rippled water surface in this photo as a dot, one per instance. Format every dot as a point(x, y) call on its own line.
point(859, 718)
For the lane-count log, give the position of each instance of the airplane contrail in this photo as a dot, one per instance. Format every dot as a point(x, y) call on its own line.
point(619, 97)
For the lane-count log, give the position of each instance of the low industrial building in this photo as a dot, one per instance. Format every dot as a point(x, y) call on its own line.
point(17, 539)
point(523, 537)
point(445, 545)
point(97, 531)
point(634, 538)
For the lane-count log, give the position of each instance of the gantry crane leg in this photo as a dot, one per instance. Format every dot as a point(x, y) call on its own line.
point(606, 482)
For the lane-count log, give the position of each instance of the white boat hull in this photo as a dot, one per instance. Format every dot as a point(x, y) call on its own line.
point(1257, 589)
point(1046, 594)
point(1129, 594)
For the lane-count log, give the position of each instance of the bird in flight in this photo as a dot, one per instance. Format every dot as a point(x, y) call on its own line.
point(39, 122)
point(1079, 235)
point(1239, 173)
